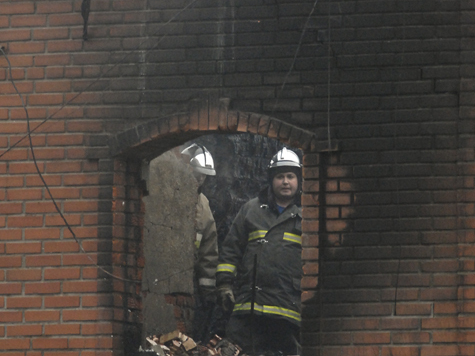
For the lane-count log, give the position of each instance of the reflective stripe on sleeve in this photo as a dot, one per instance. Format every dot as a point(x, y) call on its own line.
point(223, 267)
point(258, 234)
point(199, 237)
point(292, 237)
point(207, 282)
point(269, 309)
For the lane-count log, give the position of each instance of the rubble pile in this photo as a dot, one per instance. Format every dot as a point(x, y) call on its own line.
point(178, 344)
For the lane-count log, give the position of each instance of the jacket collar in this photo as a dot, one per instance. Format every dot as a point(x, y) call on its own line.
point(266, 197)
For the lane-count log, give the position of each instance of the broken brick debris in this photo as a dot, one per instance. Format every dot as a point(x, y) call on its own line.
point(176, 343)
point(158, 349)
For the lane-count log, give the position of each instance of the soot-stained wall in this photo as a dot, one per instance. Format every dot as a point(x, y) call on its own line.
point(386, 85)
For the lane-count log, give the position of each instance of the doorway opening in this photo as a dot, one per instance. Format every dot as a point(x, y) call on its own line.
point(143, 144)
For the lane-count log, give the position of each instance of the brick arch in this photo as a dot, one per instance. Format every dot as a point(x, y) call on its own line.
point(151, 139)
point(147, 139)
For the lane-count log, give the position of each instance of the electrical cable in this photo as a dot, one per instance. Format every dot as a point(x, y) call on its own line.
point(31, 146)
point(30, 130)
point(33, 156)
point(121, 61)
point(329, 78)
point(325, 161)
point(53, 200)
point(295, 56)
point(396, 165)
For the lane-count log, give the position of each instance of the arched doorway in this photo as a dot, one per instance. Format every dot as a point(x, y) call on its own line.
point(155, 137)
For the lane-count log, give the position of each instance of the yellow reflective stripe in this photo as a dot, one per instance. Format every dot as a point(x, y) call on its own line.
point(269, 309)
point(292, 237)
point(199, 237)
point(223, 267)
point(258, 234)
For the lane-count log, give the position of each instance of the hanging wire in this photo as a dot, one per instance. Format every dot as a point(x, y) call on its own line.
point(124, 58)
point(38, 171)
point(31, 146)
point(329, 77)
point(396, 163)
point(121, 61)
point(325, 161)
point(295, 56)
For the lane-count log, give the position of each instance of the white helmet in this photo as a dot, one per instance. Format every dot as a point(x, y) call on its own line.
point(201, 160)
point(284, 158)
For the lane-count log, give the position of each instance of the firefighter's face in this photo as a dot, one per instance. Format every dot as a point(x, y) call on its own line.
point(285, 186)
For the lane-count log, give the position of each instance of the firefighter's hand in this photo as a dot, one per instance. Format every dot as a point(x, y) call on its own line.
point(226, 297)
point(207, 295)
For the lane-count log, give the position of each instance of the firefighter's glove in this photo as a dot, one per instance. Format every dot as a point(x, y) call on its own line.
point(207, 295)
point(226, 297)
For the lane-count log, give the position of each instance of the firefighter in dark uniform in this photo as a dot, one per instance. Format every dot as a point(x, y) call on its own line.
point(206, 252)
point(260, 269)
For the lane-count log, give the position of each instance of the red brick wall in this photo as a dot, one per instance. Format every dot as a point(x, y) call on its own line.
point(54, 299)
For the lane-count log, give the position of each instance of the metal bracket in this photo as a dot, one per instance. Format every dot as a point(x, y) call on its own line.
point(85, 9)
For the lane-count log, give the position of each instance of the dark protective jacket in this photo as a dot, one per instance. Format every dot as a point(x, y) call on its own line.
point(258, 229)
point(206, 243)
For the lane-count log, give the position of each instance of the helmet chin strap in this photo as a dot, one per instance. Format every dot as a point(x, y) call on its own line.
point(203, 149)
